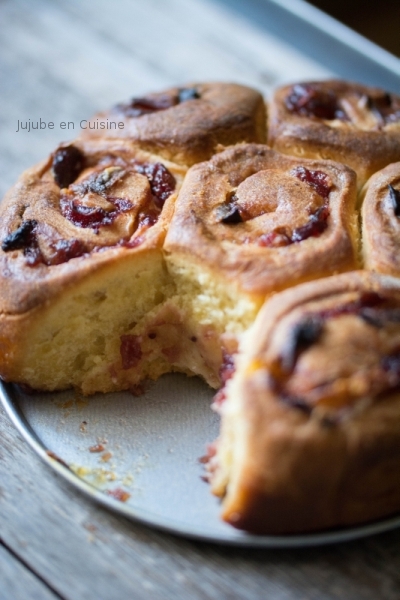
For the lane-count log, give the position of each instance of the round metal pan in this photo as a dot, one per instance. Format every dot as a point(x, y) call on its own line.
point(139, 456)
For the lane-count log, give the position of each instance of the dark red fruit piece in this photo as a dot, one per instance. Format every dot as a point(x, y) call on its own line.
point(316, 179)
point(303, 335)
point(148, 219)
point(21, 238)
point(94, 217)
point(145, 105)
point(25, 239)
point(162, 182)
point(385, 107)
point(307, 100)
point(229, 212)
point(68, 162)
point(64, 250)
point(130, 350)
point(316, 225)
point(395, 199)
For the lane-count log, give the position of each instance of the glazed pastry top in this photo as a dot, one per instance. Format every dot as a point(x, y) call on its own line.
point(265, 220)
point(186, 125)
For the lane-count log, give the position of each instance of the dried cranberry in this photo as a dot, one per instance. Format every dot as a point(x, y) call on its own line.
point(68, 163)
point(94, 217)
point(229, 212)
point(130, 350)
point(148, 104)
point(309, 101)
point(384, 107)
point(316, 179)
point(65, 250)
point(162, 182)
point(148, 219)
point(303, 335)
point(395, 199)
point(316, 225)
point(21, 238)
point(25, 238)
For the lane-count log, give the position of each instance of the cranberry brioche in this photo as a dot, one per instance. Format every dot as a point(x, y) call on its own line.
point(380, 221)
point(123, 257)
point(310, 434)
point(344, 121)
point(81, 265)
point(187, 124)
point(249, 223)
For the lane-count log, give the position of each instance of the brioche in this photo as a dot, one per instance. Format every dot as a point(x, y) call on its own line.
point(181, 242)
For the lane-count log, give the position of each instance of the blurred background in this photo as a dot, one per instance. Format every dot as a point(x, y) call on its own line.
point(64, 61)
point(378, 21)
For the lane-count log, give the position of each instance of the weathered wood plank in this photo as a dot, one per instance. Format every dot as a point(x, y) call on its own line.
point(85, 552)
point(18, 583)
point(62, 61)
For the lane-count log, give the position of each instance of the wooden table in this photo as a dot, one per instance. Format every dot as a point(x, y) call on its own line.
point(59, 62)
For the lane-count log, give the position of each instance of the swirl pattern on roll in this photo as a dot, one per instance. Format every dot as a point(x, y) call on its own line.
point(311, 423)
point(381, 221)
point(187, 124)
point(265, 221)
point(352, 123)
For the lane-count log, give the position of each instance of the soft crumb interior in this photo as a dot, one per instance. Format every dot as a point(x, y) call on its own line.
point(210, 301)
point(78, 340)
point(133, 319)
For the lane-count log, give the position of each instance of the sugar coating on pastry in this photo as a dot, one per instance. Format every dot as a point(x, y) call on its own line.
point(258, 221)
point(187, 124)
point(352, 123)
point(381, 221)
point(310, 435)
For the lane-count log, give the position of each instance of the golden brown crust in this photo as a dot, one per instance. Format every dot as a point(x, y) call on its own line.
point(313, 411)
point(191, 130)
point(68, 234)
point(358, 125)
point(259, 252)
point(381, 221)
point(37, 198)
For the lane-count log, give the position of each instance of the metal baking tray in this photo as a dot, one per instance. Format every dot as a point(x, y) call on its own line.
point(147, 464)
point(139, 456)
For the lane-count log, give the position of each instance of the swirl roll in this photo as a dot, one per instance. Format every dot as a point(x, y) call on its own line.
point(187, 124)
point(251, 222)
point(81, 264)
point(381, 221)
point(310, 435)
point(339, 120)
